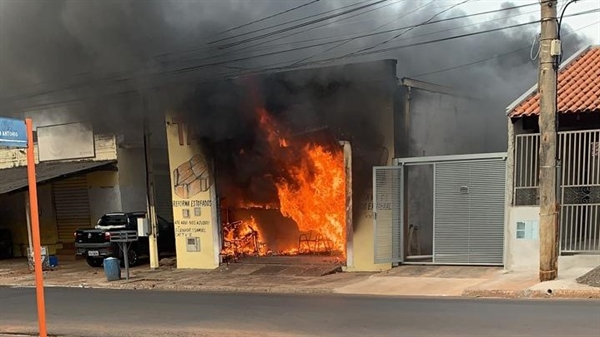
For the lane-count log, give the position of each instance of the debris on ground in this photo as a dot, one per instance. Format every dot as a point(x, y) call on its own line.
point(168, 262)
point(592, 278)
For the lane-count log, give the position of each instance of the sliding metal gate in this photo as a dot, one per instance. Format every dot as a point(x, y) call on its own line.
point(468, 203)
point(469, 212)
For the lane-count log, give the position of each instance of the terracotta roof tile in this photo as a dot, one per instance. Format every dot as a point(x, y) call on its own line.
point(578, 87)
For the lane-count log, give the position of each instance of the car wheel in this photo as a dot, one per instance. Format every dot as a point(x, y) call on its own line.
point(93, 262)
point(133, 258)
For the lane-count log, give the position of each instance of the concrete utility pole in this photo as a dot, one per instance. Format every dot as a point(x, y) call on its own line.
point(151, 198)
point(547, 85)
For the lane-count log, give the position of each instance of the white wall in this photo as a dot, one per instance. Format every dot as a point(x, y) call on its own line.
point(132, 179)
point(104, 194)
point(522, 254)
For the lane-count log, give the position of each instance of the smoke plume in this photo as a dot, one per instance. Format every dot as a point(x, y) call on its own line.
point(99, 60)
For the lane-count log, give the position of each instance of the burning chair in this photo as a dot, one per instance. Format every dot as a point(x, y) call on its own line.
point(309, 244)
point(239, 239)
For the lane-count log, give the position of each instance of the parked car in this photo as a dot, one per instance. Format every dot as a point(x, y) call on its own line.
point(95, 246)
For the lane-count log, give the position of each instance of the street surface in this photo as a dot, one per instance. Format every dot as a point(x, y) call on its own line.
point(91, 312)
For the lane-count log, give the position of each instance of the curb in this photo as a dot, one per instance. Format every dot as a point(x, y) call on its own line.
point(516, 294)
point(188, 288)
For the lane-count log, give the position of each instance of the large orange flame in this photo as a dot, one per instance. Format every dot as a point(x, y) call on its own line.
point(312, 193)
point(315, 198)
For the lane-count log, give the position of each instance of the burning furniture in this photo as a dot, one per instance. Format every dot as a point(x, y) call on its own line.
point(239, 239)
point(309, 243)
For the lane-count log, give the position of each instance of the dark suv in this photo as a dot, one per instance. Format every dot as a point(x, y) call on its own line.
point(95, 246)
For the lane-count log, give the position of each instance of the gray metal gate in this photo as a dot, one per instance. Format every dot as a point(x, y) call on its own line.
point(468, 203)
point(387, 214)
point(469, 212)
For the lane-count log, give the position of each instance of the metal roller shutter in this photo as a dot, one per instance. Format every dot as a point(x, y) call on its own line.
point(72, 206)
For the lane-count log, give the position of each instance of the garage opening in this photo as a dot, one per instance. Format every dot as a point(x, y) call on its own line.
point(283, 195)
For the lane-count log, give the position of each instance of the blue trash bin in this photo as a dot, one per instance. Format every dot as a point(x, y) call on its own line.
point(112, 269)
point(53, 261)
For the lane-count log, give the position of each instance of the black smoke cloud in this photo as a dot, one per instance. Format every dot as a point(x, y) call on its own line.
point(91, 60)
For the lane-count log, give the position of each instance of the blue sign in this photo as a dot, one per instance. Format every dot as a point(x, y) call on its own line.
point(13, 133)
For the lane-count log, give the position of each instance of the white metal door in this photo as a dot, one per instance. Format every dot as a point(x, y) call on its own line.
point(388, 214)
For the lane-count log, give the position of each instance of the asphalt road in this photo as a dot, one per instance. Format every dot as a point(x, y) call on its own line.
point(91, 312)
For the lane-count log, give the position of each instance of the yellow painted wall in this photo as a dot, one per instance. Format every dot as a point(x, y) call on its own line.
point(364, 235)
point(194, 205)
point(13, 217)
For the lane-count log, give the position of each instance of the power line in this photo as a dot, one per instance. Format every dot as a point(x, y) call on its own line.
point(406, 27)
point(317, 27)
point(268, 17)
point(495, 56)
point(210, 47)
point(116, 76)
point(182, 70)
point(379, 33)
point(352, 54)
point(265, 70)
point(415, 26)
point(119, 76)
point(304, 24)
point(432, 33)
point(347, 37)
point(368, 48)
point(442, 39)
point(374, 30)
point(297, 20)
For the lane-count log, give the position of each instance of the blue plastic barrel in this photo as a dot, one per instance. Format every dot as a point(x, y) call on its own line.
point(53, 261)
point(112, 269)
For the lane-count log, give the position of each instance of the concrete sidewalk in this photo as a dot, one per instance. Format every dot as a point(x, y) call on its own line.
point(406, 280)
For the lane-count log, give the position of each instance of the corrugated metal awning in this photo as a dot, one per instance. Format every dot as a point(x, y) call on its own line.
point(15, 178)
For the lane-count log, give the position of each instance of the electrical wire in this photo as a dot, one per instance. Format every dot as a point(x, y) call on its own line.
point(536, 38)
point(431, 22)
point(269, 17)
point(120, 76)
point(300, 19)
point(230, 75)
point(371, 52)
point(328, 23)
point(443, 39)
point(372, 31)
point(495, 56)
point(378, 33)
point(415, 26)
point(430, 33)
point(300, 25)
point(375, 51)
point(205, 48)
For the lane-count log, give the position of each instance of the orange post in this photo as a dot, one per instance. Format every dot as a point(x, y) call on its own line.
point(35, 230)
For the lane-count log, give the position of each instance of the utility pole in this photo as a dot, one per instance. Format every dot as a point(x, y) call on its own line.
point(150, 196)
point(547, 88)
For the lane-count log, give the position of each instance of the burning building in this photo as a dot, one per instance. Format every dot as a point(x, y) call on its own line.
point(281, 165)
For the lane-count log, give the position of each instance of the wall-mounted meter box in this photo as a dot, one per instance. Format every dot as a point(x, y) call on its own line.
point(143, 227)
